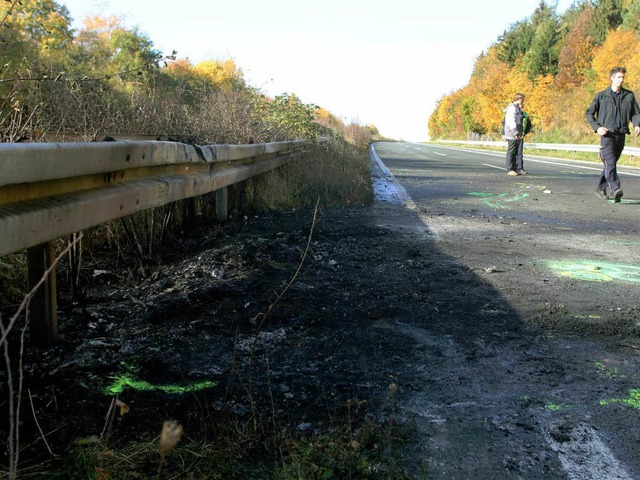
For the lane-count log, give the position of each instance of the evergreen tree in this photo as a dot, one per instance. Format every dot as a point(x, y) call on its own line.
point(608, 15)
point(631, 15)
point(515, 42)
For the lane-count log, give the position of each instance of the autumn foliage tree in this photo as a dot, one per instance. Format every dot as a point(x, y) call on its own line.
point(559, 62)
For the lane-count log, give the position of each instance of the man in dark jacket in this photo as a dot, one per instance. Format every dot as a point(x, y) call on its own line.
point(609, 115)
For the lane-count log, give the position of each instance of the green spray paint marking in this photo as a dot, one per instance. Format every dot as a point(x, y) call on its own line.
point(596, 271)
point(493, 204)
point(610, 372)
point(553, 407)
point(126, 381)
point(633, 400)
point(485, 194)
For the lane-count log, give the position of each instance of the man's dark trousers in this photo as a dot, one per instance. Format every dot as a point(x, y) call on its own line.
point(520, 156)
point(611, 146)
point(512, 152)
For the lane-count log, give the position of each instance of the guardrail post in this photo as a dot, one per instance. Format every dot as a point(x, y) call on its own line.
point(43, 309)
point(222, 204)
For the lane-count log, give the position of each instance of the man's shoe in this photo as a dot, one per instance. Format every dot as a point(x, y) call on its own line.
point(521, 172)
point(602, 194)
point(617, 195)
point(512, 172)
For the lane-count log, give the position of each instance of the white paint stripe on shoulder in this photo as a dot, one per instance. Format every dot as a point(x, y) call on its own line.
point(386, 187)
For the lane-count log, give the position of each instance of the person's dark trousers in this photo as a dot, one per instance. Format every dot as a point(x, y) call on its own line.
point(512, 152)
point(520, 156)
point(611, 146)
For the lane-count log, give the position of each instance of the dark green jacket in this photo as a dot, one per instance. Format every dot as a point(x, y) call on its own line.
point(602, 111)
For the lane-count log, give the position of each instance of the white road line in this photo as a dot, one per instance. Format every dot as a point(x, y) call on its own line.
point(493, 166)
point(570, 165)
point(441, 154)
point(386, 186)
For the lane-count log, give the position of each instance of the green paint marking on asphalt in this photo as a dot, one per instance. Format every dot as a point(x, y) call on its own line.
point(125, 381)
point(502, 196)
point(553, 407)
point(517, 197)
point(633, 400)
point(481, 194)
point(596, 271)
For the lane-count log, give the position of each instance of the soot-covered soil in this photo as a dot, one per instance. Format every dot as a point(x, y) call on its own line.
point(377, 323)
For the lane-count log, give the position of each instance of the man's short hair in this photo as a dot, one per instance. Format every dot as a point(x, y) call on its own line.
point(518, 96)
point(615, 70)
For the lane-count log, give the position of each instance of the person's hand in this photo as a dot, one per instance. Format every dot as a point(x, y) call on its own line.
point(602, 131)
point(637, 130)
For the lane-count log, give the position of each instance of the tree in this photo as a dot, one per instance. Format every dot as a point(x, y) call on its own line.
point(577, 52)
point(514, 43)
point(607, 16)
point(542, 56)
point(221, 73)
point(621, 48)
point(106, 47)
point(631, 15)
point(35, 31)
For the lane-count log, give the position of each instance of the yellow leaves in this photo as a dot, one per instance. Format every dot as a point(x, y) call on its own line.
point(101, 26)
point(620, 49)
point(219, 72)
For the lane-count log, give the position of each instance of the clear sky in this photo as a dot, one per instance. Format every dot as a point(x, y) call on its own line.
point(380, 62)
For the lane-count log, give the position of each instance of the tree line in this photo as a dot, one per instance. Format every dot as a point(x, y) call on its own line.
point(58, 83)
point(558, 61)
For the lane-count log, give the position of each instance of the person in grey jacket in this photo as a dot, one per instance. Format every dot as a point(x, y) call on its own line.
point(513, 132)
point(609, 115)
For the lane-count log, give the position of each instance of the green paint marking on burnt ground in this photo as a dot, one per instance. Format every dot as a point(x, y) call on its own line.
point(596, 271)
point(554, 407)
point(126, 381)
point(633, 400)
point(609, 372)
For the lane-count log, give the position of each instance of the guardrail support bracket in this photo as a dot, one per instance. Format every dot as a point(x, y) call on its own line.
point(43, 309)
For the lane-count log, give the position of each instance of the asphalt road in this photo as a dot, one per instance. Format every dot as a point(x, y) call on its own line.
point(558, 259)
point(545, 224)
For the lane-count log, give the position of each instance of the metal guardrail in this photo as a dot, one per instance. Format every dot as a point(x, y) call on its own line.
point(631, 151)
point(48, 190)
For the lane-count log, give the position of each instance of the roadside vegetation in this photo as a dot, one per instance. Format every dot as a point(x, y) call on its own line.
point(108, 80)
point(558, 61)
